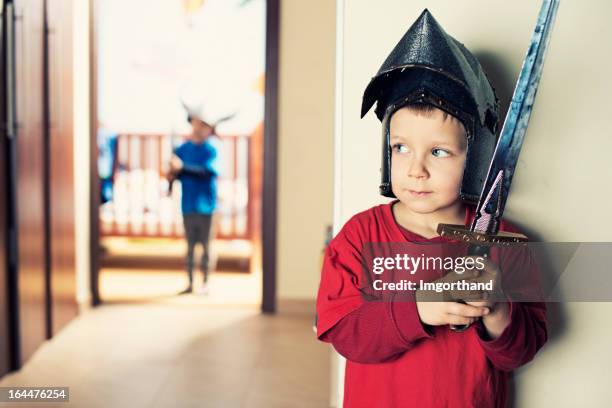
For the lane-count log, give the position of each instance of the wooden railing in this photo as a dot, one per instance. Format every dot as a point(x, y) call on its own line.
point(141, 205)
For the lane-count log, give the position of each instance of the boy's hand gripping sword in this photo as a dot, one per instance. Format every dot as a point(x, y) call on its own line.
point(490, 207)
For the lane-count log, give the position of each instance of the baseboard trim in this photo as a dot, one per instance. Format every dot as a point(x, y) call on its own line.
point(296, 307)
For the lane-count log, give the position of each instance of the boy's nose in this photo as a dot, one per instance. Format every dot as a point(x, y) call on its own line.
point(417, 168)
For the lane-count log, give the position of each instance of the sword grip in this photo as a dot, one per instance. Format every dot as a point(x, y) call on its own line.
point(458, 328)
point(479, 250)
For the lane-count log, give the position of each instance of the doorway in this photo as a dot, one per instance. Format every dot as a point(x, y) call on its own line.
point(143, 84)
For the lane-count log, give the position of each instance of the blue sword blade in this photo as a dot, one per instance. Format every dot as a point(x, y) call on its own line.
point(494, 194)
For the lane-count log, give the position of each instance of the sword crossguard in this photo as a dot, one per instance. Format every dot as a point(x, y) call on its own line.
point(462, 233)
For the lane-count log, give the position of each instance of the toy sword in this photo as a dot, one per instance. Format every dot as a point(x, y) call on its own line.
point(490, 207)
point(171, 176)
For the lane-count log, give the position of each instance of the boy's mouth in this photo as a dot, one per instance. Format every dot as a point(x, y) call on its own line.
point(417, 193)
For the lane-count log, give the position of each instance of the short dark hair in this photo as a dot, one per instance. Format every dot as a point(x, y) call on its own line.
point(425, 108)
point(190, 118)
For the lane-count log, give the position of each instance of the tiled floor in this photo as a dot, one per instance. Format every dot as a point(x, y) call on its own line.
point(182, 352)
point(152, 268)
point(135, 285)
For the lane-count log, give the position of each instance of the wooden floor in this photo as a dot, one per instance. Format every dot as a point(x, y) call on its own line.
point(182, 352)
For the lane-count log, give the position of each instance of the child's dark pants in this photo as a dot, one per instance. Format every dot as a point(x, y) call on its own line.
point(197, 229)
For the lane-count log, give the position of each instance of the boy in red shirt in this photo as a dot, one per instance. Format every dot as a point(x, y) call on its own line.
point(439, 116)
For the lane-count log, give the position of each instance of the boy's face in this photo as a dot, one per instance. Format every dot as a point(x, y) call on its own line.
point(427, 160)
point(200, 130)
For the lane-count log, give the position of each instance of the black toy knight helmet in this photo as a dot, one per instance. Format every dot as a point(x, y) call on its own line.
point(430, 66)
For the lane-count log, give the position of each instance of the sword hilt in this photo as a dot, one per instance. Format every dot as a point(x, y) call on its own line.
point(479, 245)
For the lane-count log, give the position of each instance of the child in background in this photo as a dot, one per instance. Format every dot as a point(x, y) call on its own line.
point(439, 116)
point(196, 164)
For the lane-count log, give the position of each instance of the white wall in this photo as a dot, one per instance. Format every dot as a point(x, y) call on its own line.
point(562, 187)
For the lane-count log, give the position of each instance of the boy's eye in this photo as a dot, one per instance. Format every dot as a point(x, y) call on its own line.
point(399, 148)
point(440, 152)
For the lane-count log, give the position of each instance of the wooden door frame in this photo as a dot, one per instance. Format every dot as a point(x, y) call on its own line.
point(6, 331)
point(270, 159)
point(94, 181)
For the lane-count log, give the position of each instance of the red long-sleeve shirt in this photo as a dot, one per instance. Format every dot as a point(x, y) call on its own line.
point(394, 360)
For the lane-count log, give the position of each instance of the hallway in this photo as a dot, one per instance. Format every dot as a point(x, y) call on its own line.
point(180, 353)
point(94, 119)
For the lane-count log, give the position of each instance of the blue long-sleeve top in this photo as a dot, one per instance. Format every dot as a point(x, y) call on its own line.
point(201, 167)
